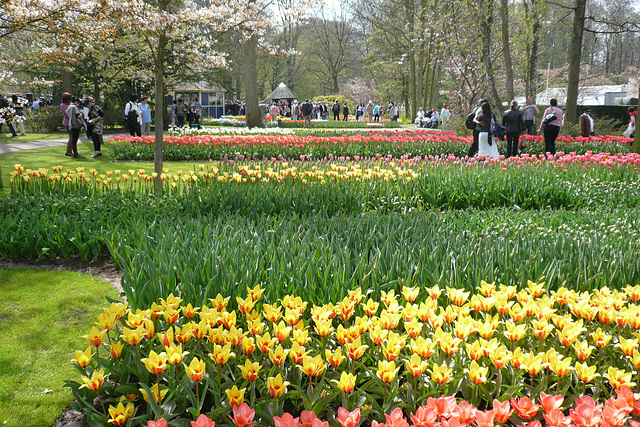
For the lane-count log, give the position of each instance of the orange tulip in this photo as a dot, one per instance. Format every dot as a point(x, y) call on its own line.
point(502, 411)
point(348, 419)
point(550, 402)
point(243, 416)
point(525, 407)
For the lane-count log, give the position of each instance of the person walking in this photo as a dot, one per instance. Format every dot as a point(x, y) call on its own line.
point(7, 115)
point(530, 111)
point(551, 124)
point(514, 125)
point(75, 124)
point(18, 113)
point(65, 101)
point(146, 116)
point(197, 109)
point(307, 111)
point(585, 123)
point(345, 112)
point(95, 125)
point(445, 115)
point(376, 113)
point(336, 110)
point(273, 112)
point(181, 112)
point(133, 116)
point(487, 145)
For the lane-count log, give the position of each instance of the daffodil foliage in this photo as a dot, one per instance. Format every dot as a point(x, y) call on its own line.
point(501, 347)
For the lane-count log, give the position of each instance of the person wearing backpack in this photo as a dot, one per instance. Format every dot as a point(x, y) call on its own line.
point(514, 126)
point(133, 116)
point(181, 112)
point(473, 150)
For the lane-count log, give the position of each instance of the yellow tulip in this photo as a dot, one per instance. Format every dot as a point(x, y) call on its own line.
point(250, 370)
point(312, 366)
point(265, 343)
point(272, 312)
point(422, 347)
point(83, 358)
point(586, 373)
point(95, 336)
point(120, 414)
point(95, 382)
point(477, 374)
point(441, 373)
point(133, 336)
point(500, 357)
point(155, 363)
point(278, 356)
point(416, 366)
point(115, 349)
point(248, 346)
point(600, 338)
point(334, 358)
point(347, 382)
point(221, 355)
point(515, 333)
point(386, 371)
point(255, 293)
point(219, 303)
point(281, 331)
point(371, 307)
point(235, 396)
point(196, 369)
point(410, 294)
point(618, 378)
point(356, 349)
point(157, 396)
point(276, 386)
point(475, 350)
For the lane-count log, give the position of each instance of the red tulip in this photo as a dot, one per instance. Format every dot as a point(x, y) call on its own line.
point(348, 419)
point(243, 416)
point(525, 407)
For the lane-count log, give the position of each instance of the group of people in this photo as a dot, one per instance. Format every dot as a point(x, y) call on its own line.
point(515, 122)
point(12, 113)
point(78, 115)
point(189, 112)
point(431, 119)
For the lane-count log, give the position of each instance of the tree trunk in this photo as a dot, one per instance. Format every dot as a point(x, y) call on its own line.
point(65, 76)
point(635, 148)
point(575, 54)
point(426, 95)
point(506, 47)
point(532, 72)
point(251, 85)
point(412, 109)
point(485, 34)
point(159, 122)
point(96, 90)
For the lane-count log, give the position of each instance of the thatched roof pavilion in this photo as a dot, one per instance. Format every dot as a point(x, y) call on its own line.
point(282, 92)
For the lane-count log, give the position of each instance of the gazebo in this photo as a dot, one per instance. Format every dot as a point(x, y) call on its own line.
point(211, 96)
point(282, 92)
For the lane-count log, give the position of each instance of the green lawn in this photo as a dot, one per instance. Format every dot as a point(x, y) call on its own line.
point(43, 316)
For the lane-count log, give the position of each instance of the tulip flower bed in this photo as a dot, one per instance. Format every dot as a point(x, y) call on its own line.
point(364, 145)
point(495, 353)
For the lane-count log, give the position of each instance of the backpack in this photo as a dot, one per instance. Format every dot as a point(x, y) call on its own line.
point(468, 122)
point(497, 129)
point(132, 115)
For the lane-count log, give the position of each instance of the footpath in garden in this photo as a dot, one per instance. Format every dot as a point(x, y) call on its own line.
point(7, 148)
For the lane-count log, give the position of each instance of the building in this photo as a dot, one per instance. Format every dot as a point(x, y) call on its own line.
point(211, 96)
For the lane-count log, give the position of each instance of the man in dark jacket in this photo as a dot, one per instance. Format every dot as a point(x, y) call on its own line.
point(514, 125)
point(585, 122)
point(336, 110)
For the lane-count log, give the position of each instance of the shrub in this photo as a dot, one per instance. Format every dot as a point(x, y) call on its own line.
point(48, 119)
